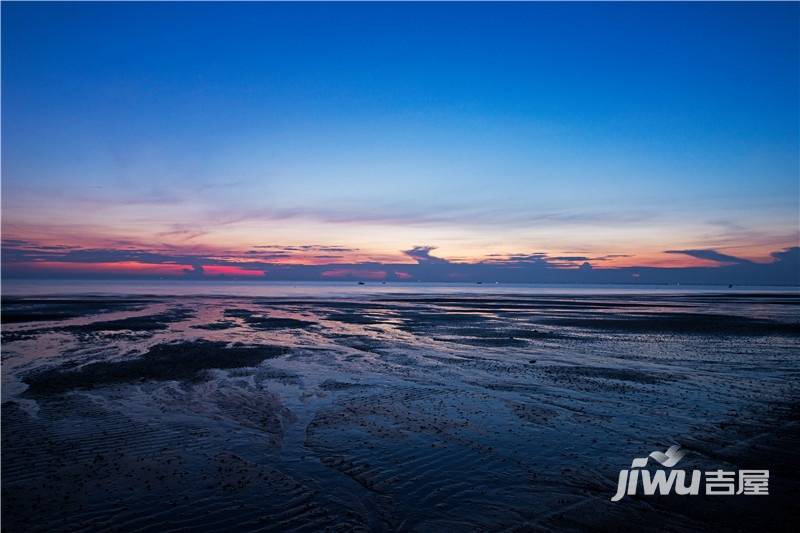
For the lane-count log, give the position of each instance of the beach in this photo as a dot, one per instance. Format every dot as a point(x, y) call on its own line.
point(392, 408)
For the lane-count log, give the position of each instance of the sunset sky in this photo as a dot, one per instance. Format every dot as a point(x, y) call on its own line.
point(203, 139)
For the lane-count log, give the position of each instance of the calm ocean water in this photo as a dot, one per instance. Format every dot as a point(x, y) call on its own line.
point(344, 289)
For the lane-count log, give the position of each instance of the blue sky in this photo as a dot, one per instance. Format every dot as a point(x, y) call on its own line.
point(478, 129)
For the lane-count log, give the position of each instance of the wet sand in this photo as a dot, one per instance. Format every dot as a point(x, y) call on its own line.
point(393, 412)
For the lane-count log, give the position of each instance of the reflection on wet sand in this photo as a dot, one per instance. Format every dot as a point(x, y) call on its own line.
point(386, 412)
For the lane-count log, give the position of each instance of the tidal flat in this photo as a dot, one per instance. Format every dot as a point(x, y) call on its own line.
point(393, 412)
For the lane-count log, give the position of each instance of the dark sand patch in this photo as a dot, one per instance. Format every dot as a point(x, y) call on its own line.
point(439, 324)
point(437, 318)
point(16, 310)
point(534, 413)
point(20, 335)
point(256, 321)
point(523, 388)
point(494, 332)
point(681, 323)
point(496, 336)
point(249, 406)
point(532, 304)
point(176, 361)
point(277, 374)
point(355, 318)
point(216, 326)
point(333, 385)
point(617, 374)
point(158, 322)
point(488, 342)
point(136, 324)
point(363, 343)
point(347, 305)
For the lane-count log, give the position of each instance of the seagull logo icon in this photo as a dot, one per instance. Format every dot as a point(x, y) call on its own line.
point(669, 458)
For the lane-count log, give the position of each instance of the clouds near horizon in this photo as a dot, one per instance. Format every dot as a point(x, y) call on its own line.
point(23, 259)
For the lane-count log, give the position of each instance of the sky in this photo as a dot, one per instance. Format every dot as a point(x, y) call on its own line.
point(517, 142)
